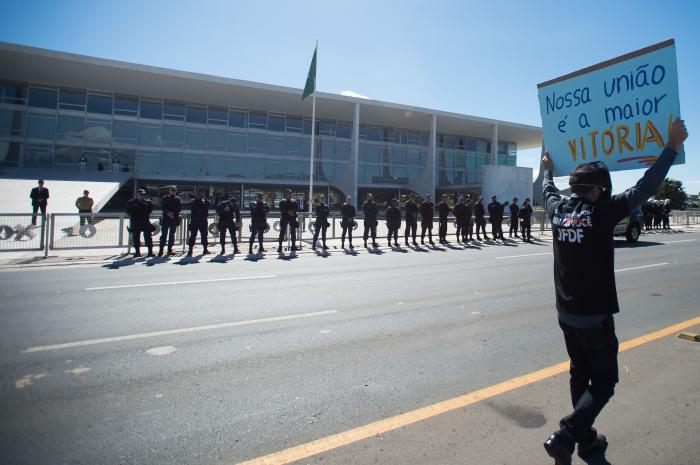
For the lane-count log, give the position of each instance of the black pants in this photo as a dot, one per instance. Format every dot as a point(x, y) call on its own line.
point(470, 230)
point(496, 230)
point(370, 228)
point(200, 227)
point(168, 228)
point(513, 227)
point(461, 231)
point(526, 230)
point(348, 230)
point(393, 232)
point(322, 230)
point(442, 230)
point(481, 224)
point(85, 216)
point(426, 227)
point(283, 231)
point(593, 353)
point(136, 237)
point(257, 230)
point(410, 230)
point(35, 208)
point(231, 228)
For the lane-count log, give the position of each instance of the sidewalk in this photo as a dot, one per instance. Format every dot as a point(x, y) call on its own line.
point(67, 257)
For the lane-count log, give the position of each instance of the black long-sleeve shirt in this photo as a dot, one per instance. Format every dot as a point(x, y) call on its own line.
point(584, 256)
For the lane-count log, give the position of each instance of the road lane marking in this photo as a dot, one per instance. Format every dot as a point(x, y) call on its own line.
point(175, 283)
point(319, 446)
point(170, 332)
point(525, 255)
point(676, 242)
point(642, 267)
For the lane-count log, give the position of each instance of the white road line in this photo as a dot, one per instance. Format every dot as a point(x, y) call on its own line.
point(676, 242)
point(170, 332)
point(525, 255)
point(642, 267)
point(174, 283)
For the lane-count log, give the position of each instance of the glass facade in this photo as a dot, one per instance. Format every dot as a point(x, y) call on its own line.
point(52, 127)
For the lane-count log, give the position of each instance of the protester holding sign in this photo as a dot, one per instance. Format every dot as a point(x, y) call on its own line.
point(584, 279)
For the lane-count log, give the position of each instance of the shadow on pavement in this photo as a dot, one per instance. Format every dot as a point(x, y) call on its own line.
point(375, 251)
point(126, 261)
point(398, 248)
point(597, 457)
point(628, 245)
point(352, 252)
point(189, 260)
point(281, 256)
point(255, 257)
point(222, 258)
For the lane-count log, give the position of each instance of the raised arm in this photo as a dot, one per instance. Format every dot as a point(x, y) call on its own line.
point(550, 193)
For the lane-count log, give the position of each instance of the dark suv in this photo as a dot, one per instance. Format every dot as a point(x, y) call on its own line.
point(630, 227)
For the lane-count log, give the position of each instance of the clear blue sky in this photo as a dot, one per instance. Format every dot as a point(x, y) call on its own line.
point(479, 58)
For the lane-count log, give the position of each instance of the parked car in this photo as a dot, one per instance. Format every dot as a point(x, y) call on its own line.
point(630, 227)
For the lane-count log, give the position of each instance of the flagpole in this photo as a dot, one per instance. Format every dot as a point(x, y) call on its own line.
point(313, 142)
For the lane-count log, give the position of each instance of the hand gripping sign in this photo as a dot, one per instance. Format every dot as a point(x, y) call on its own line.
point(619, 111)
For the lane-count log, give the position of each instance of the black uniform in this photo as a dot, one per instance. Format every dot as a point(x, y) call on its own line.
point(228, 221)
point(666, 215)
point(525, 215)
point(514, 210)
point(39, 195)
point(443, 211)
point(461, 220)
point(411, 220)
point(479, 219)
point(648, 215)
point(288, 217)
point(171, 206)
point(496, 219)
point(393, 223)
point(370, 209)
point(348, 212)
point(199, 221)
point(139, 213)
point(427, 210)
point(470, 222)
point(322, 212)
point(258, 221)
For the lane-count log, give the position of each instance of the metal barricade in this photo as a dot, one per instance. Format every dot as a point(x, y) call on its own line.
point(17, 233)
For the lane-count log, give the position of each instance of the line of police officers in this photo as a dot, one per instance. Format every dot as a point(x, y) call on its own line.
point(466, 212)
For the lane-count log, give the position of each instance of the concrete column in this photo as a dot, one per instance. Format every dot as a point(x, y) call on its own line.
point(354, 160)
point(494, 145)
point(432, 162)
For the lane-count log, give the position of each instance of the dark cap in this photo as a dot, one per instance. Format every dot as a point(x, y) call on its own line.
point(141, 192)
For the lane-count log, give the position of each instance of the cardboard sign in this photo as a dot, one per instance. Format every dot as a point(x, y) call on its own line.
point(619, 111)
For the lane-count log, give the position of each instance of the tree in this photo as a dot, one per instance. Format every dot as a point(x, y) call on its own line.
point(673, 190)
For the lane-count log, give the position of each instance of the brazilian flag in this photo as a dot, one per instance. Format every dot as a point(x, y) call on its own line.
point(310, 86)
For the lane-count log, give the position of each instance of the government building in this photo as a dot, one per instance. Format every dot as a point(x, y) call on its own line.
point(73, 117)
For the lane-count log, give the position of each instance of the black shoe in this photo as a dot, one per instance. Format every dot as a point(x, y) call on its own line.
point(250, 251)
point(313, 247)
point(279, 249)
point(189, 253)
point(351, 246)
point(206, 251)
point(137, 254)
point(223, 251)
point(365, 245)
point(342, 245)
point(396, 244)
point(160, 252)
point(555, 447)
point(415, 243)
point(260, 249)
point(325, 247)
point(170, 250)
point(375, 245)
point(432, 243)
point(585, 448)
point(235, 251)
point(150, 255)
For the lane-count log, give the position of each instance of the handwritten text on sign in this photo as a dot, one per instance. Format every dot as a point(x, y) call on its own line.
point(619, 112)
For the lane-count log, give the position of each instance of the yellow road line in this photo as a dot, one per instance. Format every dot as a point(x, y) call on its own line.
point(345, 438)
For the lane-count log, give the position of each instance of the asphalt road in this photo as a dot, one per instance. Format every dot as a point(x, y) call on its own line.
point(208, 362)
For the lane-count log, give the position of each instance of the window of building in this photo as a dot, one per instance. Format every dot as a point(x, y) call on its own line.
point(68, 156)
point(195, 138)
point(196, 114)
point(149, 135)
point(98, 131)
point(258, 120)
point(294, 124)
point(343, 130)
point(257, 142)
point(238, 119)
point(255, 168)
point(170, 163)
point(126, 105)
point(342, 150)
point(293, 144)
point(11, 122)
point(38, 156)
point(275, 146)
point(41, 126)
point(173, 135)
point(70, 128)
point(151, 109)
point(100, 103)
point(373, 134)
point(124, 131)
point(217, 115)
point(13, 93)
point(72, 99)
point(147, 162)
point(387, 134)
point(275, 123)
point(216, 139)
point(237, 142)
point(9, 154)
point(174, 111)
point(326, 128)
point(43, 97)
point(192, 165)
point(126, 157)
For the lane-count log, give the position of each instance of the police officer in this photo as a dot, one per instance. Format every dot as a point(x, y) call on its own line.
point(393, 222)
point(514, 210)
point(495, 218)
point(171, 205)
point(348, 212)
point(479, 218)
point(470, 222)
point(199, 222)
point(427, 210)
point(39, 196)
point(411, 218)
point(647, 214)
point(258, 220)
point(139, 209)
point(461, 219)
point(229, 219)
point(370, 210)
point(525, 215)
point(288, 217)
point(443, 211)
point(322, 212)
point(666, 214)
point(584, 281)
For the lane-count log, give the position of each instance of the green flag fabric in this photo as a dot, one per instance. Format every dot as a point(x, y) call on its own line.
point(310, 79)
